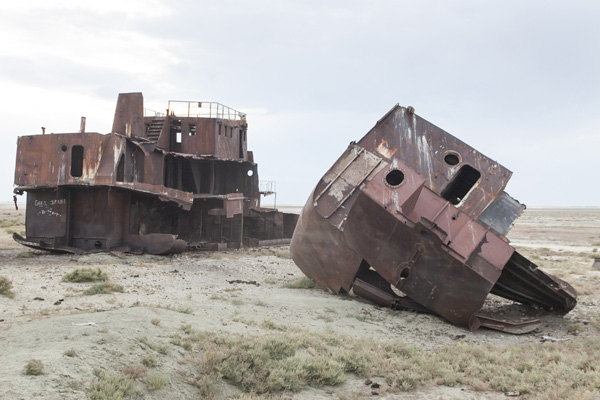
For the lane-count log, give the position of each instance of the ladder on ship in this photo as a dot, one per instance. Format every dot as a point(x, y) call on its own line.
point(155, 127)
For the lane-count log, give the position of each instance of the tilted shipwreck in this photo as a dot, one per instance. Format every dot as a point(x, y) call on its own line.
point(156, 184)
point(412, 218)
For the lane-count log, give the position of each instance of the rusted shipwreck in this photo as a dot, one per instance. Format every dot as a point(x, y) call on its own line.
point(158, 183)
point(410, 217)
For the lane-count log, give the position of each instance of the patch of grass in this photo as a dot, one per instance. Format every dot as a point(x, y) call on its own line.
point(270, 325)
point(260, 303)
point(86, 274)
point(70, 353)
point(186, 328)
point(149, 362)
point(104, 288)
point(237, 302)
point(156, 381)
point(155, 321)
point(301, 283)
point(293, 360)
point(160, 348)
point(5, 223)
point(34, 367)
point(6, 287)
point(134, 371)
point(111, 386)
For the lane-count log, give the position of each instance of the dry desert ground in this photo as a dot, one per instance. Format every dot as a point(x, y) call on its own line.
point(246, 324)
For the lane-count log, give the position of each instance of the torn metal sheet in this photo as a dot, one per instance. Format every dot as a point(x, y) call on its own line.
point(158, 183)
point(411, 217)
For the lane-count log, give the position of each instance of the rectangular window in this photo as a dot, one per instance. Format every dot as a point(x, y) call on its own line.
point(461, 184)
point(77, 161)
point(192, 129)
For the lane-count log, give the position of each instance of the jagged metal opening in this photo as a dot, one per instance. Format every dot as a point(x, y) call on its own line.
point(461, 184)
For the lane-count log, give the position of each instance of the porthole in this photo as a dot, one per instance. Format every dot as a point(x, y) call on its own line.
point(452, 158)
point(394, 178)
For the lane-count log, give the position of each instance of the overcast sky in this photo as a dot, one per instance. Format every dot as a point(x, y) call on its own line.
point(517, 80)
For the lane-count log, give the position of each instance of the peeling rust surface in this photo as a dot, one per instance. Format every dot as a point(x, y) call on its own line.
point(156, 184)
point(411, 217)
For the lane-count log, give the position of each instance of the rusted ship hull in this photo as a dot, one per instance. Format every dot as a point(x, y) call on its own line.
point(410, 217)
point(156, 184)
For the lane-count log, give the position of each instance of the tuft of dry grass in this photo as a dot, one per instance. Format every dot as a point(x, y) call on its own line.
point(149, 362)
point(109, 386)
point(34, 367)
point(104, 288)
point(156, 381)
point(301, 283)
point(6, 287)
point(70, 353)
point(85, 274)
point(134, 371)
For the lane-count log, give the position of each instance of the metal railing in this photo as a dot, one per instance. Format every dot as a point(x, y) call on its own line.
point(268, 188)
point(153, 113)
point(203, 109)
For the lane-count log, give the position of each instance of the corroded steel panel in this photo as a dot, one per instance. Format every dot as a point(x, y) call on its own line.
point(407, 207)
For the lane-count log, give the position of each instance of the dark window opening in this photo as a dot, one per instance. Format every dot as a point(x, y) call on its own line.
point(461, 184)
point(121, 169)
point(220, 128)
point(394, 178)
point(77, 161)
point(192, 129)
point(404, 273)
point(63, 147)
point(240, 145)
point(452, 159)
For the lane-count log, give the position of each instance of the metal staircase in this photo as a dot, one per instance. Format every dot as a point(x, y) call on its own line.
point(153, 130)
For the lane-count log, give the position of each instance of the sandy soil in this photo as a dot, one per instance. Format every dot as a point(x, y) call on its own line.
point(48, 317)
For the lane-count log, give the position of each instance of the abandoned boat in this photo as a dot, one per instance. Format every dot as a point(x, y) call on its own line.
point(410, 217)
point(158, 183)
